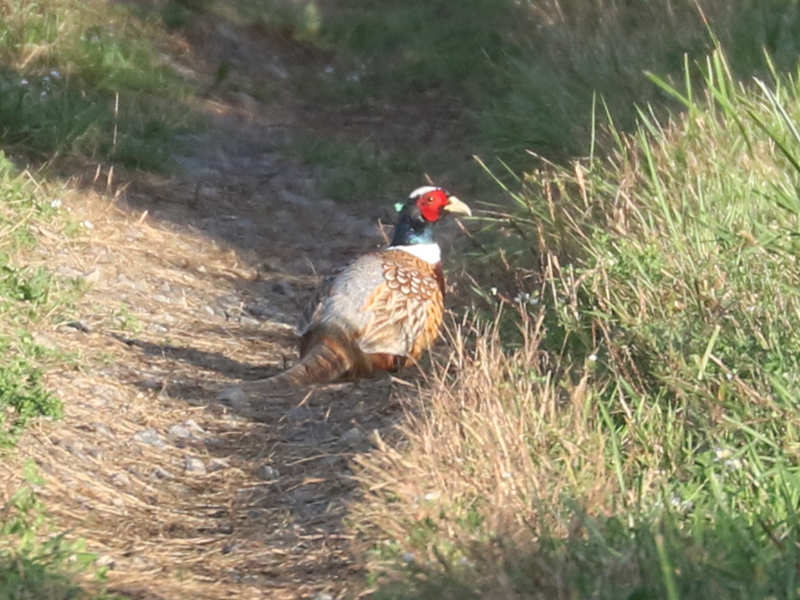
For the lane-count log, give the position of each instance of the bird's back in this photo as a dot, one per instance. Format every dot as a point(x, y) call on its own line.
point(386, 308)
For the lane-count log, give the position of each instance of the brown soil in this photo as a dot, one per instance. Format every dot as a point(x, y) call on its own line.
point(195, 283)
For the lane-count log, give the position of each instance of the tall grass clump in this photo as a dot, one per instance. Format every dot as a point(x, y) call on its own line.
point(572, 48)
point(85, 79)
point(641, 440)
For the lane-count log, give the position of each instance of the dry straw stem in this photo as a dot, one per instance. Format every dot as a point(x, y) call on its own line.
point(497, 437)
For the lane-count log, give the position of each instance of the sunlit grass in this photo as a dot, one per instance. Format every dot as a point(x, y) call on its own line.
point(85, 80)
point(641, 441)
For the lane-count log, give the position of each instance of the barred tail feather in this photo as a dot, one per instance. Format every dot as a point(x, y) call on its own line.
point(325, 361)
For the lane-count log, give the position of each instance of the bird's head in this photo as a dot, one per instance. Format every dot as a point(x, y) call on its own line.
point(431, 203)
point(425, 206)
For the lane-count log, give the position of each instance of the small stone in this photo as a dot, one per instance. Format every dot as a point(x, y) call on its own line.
point(92, 276)
point(249, 321)
point(161, 298)
point(267, 472)
point(105, 561)
point(74, 446)
point(322, 596)
point(134, 284)
point(218, 464)
point(80, 326)
point(352, 436)
point(180, 431)
point(298, 414)
point(228, 548)
point(192, 426)
point(149, 437)
point(282, 288)
point(121, 479)
point(151, 383)
point(101, 428)
point(258, 310)
point(303, 495)
point(194, 465)
point(161, 473)
point(210, 310)
point(235, 397)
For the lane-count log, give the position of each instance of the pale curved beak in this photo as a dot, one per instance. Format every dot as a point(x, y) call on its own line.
point(454, 205)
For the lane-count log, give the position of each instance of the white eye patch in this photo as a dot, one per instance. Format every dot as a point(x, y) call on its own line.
point(422, 190)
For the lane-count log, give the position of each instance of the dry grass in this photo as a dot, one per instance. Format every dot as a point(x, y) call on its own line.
point(154, 357)
point(484, 468)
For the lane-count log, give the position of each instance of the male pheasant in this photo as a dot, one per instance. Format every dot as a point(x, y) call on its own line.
point(383, 310)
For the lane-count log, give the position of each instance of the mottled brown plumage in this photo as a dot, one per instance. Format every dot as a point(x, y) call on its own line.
point(382, 311)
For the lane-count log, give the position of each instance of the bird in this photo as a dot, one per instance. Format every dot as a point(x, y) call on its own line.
point(381, 312)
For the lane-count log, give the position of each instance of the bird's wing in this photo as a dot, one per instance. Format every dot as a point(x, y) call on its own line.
point(405, 310)
point(390, 302)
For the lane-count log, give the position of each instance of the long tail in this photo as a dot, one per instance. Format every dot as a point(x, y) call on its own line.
point(326, 360)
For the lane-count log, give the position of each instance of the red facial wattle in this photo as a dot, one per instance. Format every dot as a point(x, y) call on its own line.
point(431, 204)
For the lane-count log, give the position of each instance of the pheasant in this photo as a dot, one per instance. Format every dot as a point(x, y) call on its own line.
point(383, 310)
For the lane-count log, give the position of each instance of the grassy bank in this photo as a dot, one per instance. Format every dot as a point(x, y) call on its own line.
point(35, 560)
point(86, 81)
point(641, 441)
point(79, 87)
point(27, 296)
point(82, 84)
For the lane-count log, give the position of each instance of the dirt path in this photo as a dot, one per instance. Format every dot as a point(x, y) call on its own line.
point(195, 283)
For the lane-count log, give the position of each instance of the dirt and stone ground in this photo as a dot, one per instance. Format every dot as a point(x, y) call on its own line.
point(195, 281)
